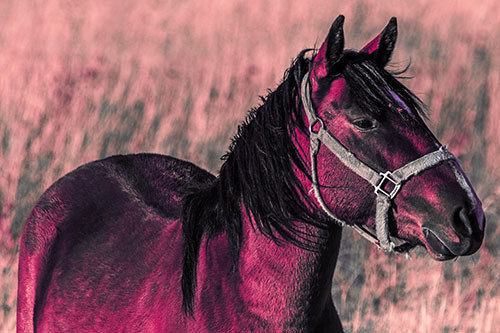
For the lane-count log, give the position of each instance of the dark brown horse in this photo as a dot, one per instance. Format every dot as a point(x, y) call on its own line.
point(151, 243)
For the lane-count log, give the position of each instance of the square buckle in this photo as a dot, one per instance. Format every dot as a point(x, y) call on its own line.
point(386, 179)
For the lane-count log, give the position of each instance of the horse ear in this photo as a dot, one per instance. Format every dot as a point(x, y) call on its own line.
point(331, 49)
point(382, 46)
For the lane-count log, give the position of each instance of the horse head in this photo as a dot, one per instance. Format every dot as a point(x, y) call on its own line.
point(357, 103)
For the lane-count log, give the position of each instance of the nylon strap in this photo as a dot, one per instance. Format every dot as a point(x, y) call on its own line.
point(376, 179)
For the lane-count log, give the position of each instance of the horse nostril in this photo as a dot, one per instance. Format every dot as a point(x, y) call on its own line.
point(461, 223)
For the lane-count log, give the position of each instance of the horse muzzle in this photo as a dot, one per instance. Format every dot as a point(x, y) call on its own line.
point(464, 237)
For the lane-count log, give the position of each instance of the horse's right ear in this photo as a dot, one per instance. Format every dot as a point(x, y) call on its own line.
point(330, 51)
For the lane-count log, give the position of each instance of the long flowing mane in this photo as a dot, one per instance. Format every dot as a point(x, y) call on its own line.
point(267, 187)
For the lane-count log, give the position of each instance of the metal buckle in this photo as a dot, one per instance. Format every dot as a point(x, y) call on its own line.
point(314, 124)
point(380, 186)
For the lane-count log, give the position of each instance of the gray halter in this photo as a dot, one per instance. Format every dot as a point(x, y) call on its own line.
point(377, 179)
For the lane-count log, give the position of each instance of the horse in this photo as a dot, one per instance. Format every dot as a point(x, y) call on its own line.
point(149, 242)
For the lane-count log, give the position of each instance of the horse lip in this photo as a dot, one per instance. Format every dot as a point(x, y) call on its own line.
point(437, 246)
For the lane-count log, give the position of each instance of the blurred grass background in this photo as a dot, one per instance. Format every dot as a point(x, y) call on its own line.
point(81, 80)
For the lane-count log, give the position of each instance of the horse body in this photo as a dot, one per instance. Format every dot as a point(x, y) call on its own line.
point(151, 243)
point(111, 256)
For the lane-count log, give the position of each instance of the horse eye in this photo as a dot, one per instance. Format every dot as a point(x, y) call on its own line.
point(364, 124)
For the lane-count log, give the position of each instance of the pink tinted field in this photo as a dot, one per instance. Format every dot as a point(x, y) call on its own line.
point(81, 81)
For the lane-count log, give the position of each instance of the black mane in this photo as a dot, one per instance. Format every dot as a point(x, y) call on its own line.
point(258, 170)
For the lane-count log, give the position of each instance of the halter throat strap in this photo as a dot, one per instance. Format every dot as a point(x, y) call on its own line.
point(379, 180)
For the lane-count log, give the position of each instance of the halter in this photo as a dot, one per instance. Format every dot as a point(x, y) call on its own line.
point(379, 180)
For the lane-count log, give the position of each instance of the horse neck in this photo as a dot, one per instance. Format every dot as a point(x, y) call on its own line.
point(294, 282)
point(278, 282)
point(285, 277)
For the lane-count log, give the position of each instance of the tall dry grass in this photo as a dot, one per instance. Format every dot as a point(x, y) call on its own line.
point(81, 80)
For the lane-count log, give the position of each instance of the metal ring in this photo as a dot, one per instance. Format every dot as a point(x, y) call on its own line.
point(314, 123)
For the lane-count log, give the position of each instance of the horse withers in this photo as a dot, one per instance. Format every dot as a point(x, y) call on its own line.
point(151, 243)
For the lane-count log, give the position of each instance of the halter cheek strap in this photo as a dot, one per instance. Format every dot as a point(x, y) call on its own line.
point(379, 180)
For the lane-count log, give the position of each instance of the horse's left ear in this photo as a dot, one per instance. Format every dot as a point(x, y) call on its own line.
point(382, 46)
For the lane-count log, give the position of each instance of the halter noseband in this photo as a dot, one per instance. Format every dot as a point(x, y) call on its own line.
point(377, 179)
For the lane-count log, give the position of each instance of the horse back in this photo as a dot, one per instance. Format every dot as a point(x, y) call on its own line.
point(103, 247)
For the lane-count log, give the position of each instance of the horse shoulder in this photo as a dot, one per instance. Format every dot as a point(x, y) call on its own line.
point(103, 245)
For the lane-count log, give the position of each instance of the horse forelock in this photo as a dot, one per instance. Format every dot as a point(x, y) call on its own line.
point(373, 89)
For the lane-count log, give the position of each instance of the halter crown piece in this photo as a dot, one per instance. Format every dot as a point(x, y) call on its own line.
point(377, 179)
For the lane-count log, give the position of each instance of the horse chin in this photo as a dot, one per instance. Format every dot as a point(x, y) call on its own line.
point(440, 256)
point(442, 253)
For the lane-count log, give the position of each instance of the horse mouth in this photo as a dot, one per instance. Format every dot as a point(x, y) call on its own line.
point(436, 247)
